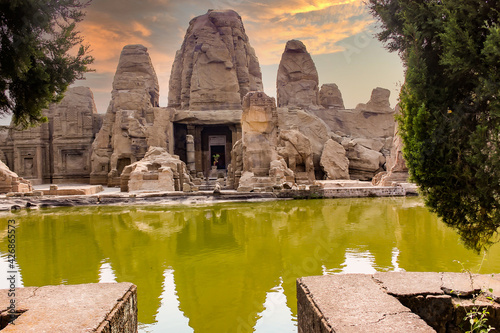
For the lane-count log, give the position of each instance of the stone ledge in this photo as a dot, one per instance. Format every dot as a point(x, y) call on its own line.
point(97, 307)
point(394, 301)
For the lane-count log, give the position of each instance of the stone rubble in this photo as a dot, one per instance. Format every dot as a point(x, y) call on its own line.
point(158, 170)
point(11, 182)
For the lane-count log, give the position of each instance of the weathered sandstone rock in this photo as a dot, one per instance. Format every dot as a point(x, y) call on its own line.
point(216, 66)
point(364, 162)
point(378, 103)
point(334, 161)
point(296, 150)
point(397, 171)
point(11, 182)
point(158, 170)
point(123, 138)
point(330, 97)
point(311, 126)
point(297, 82)
point(370, 126)
point(373, 120)
point(259, 123)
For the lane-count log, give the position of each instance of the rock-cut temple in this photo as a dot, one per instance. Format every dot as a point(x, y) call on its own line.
point(218, 122)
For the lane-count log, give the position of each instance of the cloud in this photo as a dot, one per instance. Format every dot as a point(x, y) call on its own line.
point(321, 25)
point(277, 8)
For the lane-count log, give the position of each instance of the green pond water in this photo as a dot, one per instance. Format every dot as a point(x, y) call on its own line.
point(230, 267)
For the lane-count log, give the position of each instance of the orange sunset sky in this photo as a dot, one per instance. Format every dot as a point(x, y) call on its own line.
point(338, 34)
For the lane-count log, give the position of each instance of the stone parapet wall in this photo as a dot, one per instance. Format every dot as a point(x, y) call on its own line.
point(395, 302)
point(361, 192)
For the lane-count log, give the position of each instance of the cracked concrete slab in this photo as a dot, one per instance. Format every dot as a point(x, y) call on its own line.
point(395, 302)
point(72, 308)
point(459, 284)
point(410, 283)
point(356, 303)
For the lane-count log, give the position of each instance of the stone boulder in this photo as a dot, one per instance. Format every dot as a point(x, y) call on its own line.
point(334, 161)
point(296, 151)
point(311, 127)
point(11, 182)
point(297, 82)
point(364, 163)
point(378, 103)
point(216, 65)
point(123, 138)
point(158, 170)
point(330, 97)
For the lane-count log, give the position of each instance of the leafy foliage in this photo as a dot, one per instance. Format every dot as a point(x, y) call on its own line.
point(450, 107)
point(41, 54)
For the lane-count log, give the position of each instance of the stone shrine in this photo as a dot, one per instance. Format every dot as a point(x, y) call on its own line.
point(123, 138)
point(57, 151)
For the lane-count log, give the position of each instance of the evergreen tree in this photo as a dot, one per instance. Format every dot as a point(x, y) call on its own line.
point(450, 121)
point(41, 54)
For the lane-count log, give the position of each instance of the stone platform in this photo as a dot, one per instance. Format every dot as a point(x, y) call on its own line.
point(71, 189)
point(97, 307)
point(68, 195)
point(395, 302)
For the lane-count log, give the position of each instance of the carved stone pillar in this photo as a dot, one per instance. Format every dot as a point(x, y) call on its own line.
point(190, 154)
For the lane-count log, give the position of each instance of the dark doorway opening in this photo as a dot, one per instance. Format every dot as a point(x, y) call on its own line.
point(121, 164)
point(218, 156)
point(180, 132)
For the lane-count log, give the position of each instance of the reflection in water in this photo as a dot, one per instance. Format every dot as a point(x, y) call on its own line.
point(231, 267)
point(169, 318)
point(358, 262)
point(277, 316)
point(106, 274)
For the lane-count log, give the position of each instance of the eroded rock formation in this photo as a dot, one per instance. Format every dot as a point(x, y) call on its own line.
point(259, 123)
point(297, 82)
point(11, 182)
point(334, 161)
point(123, 138)
point(311, 127)
point(296, 150)
point(368, 132)
point(158, 170)
point(216, 66)
point(397, 171)
point(330, 97)
point(269, 156)
point(364, 161)
point(378, 103)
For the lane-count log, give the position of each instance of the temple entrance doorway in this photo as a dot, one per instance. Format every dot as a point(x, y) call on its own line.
point(217, 147)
